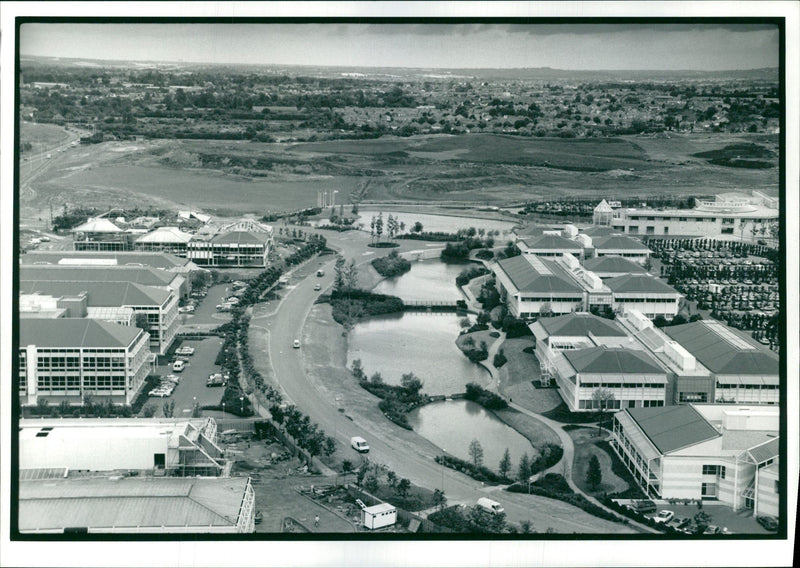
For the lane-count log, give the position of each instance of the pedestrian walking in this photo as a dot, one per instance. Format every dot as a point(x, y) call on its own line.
point(316, 520)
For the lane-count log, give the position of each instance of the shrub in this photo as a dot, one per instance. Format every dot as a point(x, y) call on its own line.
point(469, 273)
point(499, 359)
point(485, 398)
point(391, 265)
point(477, 472)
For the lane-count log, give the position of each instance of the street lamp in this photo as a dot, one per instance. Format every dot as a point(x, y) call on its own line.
point(241, 400)
point(194, 406)
point(223, 408)
point(444, 453)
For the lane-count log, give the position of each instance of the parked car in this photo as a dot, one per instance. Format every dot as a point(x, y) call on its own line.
point(185, 350)
point(258, 518)
point(643, 506)
point(159, 392)
point(179, 365)
point(296, 344)
point(186, 309)
point(663, 516)
point(320, 273)
point(215, 380)
point(317, 287)
point(769, 523)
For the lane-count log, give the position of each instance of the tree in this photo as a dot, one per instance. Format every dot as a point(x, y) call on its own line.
point(604, 398)
point(403, 487)
point(330, 446)
point(379, 226)
point(141, 321)
point(41, 406)
point(371, 484)
point(439, 499)
point(391, 478)
point(411, 383)
point(526, 527)
point(376, 379)
point(351, 275)
point(505, 464)
point(338, 269)
point(169, 409)
point(372, 223)
point(417, 228)
point(476, 452)
point(524, 469)
point(347, 467)
point(196, 411)
point(594, 475)
point(358, 370)
point(464, 323)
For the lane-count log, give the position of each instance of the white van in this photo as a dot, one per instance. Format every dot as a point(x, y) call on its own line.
point(178, 365)
point(491, 506)
point(359, 444)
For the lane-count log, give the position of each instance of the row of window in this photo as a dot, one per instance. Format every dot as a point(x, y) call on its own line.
point(45, 363)
point(551, 299)
point(646, 301)
point(48, 383)
point(693, 397)
point(623, 385)
point(747, 387)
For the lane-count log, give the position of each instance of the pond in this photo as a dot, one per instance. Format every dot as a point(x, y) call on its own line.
point(427, 280)
point(453, 424)
point(415, 342)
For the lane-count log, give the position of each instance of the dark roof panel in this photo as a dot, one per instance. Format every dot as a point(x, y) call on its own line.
point(75, 332)
point(639, 283)
point(619, 242)
point(578, 324)
point(527, 279)
point(614, 264)
point(551, 242)
point(724, 350)
point(671, 428)
point(611, 360)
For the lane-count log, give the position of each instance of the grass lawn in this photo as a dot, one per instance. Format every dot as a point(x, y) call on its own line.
point(516, 376)
point(534, 430)
point(586, 440)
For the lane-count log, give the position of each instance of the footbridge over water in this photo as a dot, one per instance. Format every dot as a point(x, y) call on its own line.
point(435, 305)
point(422, 254)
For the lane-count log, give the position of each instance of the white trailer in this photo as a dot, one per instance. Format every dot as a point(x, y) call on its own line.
point(378, 516)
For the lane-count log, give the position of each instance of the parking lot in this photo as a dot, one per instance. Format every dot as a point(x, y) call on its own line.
point(206, 310)
point(192, 386)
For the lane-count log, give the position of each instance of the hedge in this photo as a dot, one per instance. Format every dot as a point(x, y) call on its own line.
point(478, 472)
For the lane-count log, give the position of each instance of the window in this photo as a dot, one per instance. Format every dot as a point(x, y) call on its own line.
point(727, 230)
point(666, 230)
point(708, 490)
point(651, 230)
point(651, 218)
point(633, 230)
point(777, 488)
point(714, 470)
point(683, 218)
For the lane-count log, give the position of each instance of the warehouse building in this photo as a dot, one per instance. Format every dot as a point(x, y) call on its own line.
point(710, 452)
point(66, 359)
point(132, 505)
point(159, 306)
point(147, 446)
point(163, 261)
point(744, 371)
point(143, 275)
point(729, 216)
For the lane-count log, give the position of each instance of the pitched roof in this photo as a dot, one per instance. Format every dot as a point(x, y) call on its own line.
point(241, 238)
point(639, 283)
point(165, 235)
point(131, 502)
point(765, 451)
point(145, 275)
point(608, 360)
point(671, 428)
point(599, 231)
point(97, 226)
point(100, 293)
point(613, 264)
point(603, 207)
point(75, 332)
point(579, 324)
point(619, 242)
point(526, 278)
point(551, 242)
point(154, 259)
point(724, 350)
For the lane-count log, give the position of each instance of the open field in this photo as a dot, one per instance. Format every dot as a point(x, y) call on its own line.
point(234, 177)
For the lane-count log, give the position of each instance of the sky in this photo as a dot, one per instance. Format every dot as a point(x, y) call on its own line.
point(708, 47)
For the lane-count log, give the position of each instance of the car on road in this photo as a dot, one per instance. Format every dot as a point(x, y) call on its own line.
point(317, 287)
point(769, 523)
point(492, 506)
point(663, 516)
point(186, 309)
point(296, 344)
point(320, 273)
point(359, 444)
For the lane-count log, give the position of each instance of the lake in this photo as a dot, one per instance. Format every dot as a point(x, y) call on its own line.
point(453, 424)
point(415, 342)
point(427, 280)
